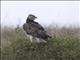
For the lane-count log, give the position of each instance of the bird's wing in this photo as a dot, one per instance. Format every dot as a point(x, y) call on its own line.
point(40, 31)
point(37, 25)
point(36, 30)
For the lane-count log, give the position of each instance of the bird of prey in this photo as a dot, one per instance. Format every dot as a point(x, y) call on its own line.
point(34, 30)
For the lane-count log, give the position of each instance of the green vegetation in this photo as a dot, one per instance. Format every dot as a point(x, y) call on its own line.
point(64, 45)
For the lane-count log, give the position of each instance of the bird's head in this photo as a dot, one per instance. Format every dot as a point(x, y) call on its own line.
point(31, 17)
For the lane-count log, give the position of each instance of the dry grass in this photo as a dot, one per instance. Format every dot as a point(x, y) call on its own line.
point(64, 45)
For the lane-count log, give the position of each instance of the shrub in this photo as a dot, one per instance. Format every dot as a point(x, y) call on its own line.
point(64, 45)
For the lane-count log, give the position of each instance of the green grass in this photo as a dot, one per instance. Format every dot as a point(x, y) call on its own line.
point(64, 45)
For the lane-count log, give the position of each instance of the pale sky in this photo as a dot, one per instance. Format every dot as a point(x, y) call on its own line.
point(62, 13)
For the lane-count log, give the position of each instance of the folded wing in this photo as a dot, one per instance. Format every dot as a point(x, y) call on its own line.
point(36, 30)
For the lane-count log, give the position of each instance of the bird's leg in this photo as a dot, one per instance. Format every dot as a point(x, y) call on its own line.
point(31, 38)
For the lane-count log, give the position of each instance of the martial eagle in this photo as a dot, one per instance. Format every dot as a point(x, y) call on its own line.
point(34, 30)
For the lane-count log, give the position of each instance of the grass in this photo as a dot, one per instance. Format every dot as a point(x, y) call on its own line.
point(64, 45)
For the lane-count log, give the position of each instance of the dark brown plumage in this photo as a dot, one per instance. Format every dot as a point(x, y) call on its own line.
point(35, 29)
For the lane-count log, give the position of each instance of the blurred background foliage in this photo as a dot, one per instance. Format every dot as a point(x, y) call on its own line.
point(64, 44)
